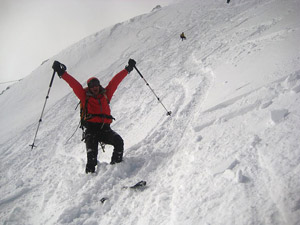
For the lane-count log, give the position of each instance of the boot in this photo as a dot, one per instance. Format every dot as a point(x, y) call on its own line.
point(91, 165)
point(89, 169)
point(117, 157)
point(91, 161)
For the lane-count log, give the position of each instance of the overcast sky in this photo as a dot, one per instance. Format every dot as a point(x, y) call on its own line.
point(32, 31)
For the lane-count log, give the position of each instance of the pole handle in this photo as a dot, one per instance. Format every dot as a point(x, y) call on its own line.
point(52, 78)
point(138, 72)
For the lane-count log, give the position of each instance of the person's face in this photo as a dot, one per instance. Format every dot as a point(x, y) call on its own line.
point(94, 86)
point(95, 90)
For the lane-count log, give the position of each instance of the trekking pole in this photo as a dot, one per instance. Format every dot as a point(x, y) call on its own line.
point(40, 120)
point(168, 112)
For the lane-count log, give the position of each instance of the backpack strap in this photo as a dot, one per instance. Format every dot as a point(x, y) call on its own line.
point(83, 112)
point(105, 95)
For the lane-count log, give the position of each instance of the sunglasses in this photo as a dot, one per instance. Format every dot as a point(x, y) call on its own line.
point(94, 83)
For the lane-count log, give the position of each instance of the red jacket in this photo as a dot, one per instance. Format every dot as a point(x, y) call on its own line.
point(94, 107)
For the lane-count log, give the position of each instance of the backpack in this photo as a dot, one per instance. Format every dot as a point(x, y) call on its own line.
point(84, 115)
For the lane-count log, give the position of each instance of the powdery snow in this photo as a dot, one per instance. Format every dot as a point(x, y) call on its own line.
point(229, 154)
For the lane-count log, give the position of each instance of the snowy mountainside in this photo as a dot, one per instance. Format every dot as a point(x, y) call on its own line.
point(228, 154)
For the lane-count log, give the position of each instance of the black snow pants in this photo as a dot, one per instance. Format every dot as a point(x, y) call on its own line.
point(98, 132)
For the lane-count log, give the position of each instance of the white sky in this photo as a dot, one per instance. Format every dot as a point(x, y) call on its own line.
point(32, 31)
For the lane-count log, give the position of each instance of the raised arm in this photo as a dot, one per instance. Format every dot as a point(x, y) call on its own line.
point(75, 85)
point(117, 79)
point(60, 69)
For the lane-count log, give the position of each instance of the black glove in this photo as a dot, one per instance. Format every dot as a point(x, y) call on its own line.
point(59, 68)
point(131, 64)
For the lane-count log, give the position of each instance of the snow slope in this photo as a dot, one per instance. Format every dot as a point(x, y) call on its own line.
point(229, 154)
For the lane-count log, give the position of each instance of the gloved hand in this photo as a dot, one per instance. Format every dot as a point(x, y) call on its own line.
point(131, 64)
point(59, 68)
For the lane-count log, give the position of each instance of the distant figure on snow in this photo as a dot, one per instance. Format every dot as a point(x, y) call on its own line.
point(228, 1)
point(182, 36)
point(97, 118)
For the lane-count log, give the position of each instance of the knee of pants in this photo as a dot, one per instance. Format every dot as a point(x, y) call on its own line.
point(92, 153)
point(91, 142)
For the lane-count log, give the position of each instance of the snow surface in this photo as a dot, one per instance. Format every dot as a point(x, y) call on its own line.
point(229, 154)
